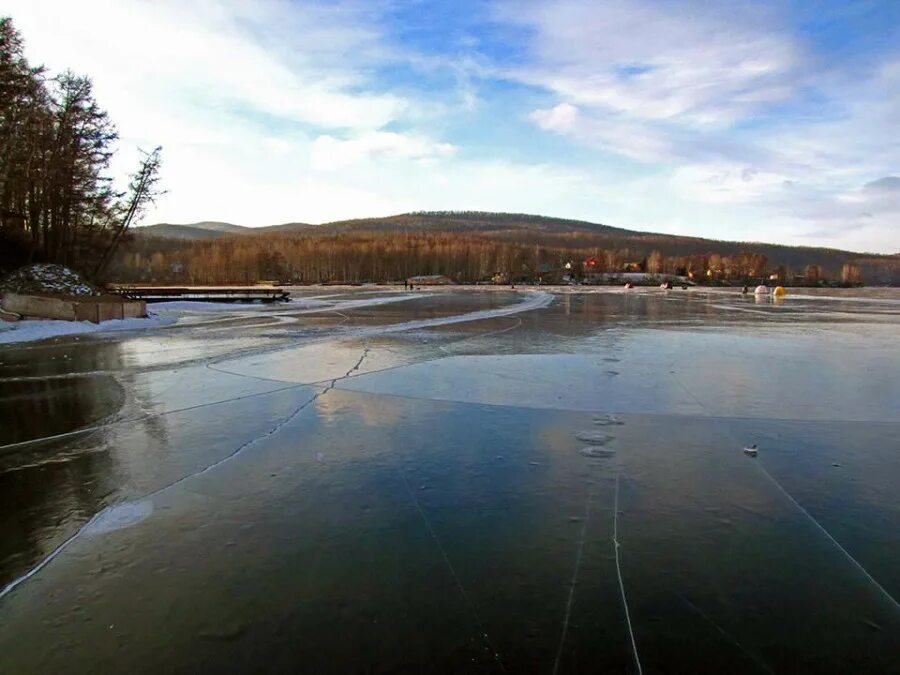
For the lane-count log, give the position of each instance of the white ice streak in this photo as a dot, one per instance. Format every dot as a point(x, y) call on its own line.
point(574, 582)
point(538, 300)
point(282, 313)
point(481, 336)
point(48, 559)
point(357, 303)
point(615, 538)
point(140, 418)
point(452, 570)
point(827, 534)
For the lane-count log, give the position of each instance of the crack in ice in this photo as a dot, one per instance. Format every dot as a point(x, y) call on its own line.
point(571, 600)
point(472, 607)
point(98, 517)
point(615, 539)
point(819, 526)
point(827, 534)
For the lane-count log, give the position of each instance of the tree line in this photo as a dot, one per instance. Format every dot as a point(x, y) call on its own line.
point(57, 202)
point(359, 256)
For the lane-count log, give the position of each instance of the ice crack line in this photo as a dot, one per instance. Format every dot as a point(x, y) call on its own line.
point(132, 420)
point(518, 323)
point(725, 634)
point(571, 600)
point(472, 607)
point(274, 430)
point(854, 561)
point(539, 300)
point(799, 506)
point(270, 432)
point(615, 538)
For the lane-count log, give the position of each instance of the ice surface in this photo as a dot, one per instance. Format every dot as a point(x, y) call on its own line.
point(782, 375)
point(566, 491)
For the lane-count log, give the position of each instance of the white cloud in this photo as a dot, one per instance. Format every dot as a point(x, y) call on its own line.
point(724, 183)
point(629, 139)
point(681, 87)
point(563, 118)
point(203, 57)
point(235, 92)
point(329, 153)
point(699, 65)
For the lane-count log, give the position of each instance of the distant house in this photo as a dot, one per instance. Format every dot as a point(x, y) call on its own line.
point(591, 264)
point(637, 278)
point(430, 280)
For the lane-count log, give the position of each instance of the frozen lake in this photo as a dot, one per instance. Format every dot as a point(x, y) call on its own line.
point(458, 480)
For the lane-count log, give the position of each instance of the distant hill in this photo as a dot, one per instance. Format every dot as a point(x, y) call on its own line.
point(466, 246)
point(202, 230)
point(462, 221)
point(523, 229)
point(438, 221)
point(286, 227)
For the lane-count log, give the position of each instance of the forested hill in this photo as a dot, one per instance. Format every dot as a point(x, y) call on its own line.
point(522, 229)
point(421, 221)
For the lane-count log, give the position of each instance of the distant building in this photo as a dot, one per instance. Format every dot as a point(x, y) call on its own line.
point(591, 264)
point(637, 278)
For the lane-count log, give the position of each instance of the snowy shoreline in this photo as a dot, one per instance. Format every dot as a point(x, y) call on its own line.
point(31, 330)
point(168, 313)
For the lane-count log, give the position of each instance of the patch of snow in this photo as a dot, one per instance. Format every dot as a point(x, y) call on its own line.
point(119, 516)
point(30, 330)
point(47, 278)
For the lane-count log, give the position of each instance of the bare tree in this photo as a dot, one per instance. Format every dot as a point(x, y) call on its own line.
point(57, 202)
point(142, 191)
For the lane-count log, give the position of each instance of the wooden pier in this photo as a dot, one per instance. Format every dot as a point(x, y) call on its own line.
point(203, 294)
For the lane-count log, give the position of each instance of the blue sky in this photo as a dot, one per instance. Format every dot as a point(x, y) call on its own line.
point(751, 121)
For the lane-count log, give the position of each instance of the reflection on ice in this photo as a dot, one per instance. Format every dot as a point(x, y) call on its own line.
point(455, 513)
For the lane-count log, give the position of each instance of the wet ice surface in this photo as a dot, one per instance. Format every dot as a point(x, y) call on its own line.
point(377, 481)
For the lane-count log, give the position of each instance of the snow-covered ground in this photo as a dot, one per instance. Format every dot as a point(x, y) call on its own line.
point(161, 314)
point(41, 329)
point(166, 313)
